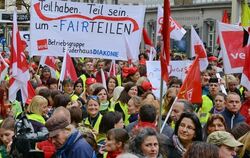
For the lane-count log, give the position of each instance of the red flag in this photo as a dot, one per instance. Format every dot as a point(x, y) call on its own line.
point(68, 69)
point(146, 38)
point(149, 45)
point(198, 49)
point(19, 66)
point(225, 19)
point(165, 54)
point(245, 78)
point(233, 52)
point(191, 87)
point(49, 61)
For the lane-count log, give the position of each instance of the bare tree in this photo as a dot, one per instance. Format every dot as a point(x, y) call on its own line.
point(22, 3)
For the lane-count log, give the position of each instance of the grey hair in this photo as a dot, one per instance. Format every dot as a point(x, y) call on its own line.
point(188, 106)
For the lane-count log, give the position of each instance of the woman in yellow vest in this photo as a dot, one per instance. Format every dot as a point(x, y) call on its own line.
point(78, 90)
point(93, 111)
point(36, 110)
point(105, 104)
point(109, 121)
point(130, 90)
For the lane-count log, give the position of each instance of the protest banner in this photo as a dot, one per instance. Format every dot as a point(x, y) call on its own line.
point(87, 29)
point(176, 68)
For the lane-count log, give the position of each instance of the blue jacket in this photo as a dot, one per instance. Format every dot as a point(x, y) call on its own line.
point(230, 118)
point(75, 147)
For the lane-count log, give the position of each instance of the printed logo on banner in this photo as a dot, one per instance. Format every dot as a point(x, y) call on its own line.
point(234, 47)
point(42, 44)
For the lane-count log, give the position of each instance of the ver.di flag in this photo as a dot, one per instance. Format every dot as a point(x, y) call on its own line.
point(233, 52)
point(68, 70)
point(198, 49)
point(49, 61)
point(191, 87)
point(176, 30)
point(19, 76)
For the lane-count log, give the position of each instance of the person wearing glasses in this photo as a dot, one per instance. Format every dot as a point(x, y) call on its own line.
point(187, 130)
point(94, 116)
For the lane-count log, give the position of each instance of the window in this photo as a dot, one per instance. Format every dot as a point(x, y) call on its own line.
point(2, 4)
point(211, 34)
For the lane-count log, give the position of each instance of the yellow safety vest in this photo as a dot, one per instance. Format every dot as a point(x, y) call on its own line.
point(84, 78)
point(57, 75)
point(207, 105)
point(97, 124)
point(36, 117)
point(124, 108)
point(119, 79)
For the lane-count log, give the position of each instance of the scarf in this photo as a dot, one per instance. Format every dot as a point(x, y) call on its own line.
point(178, 144)
point(113, 154)
point(104, 106)
point(144, 125)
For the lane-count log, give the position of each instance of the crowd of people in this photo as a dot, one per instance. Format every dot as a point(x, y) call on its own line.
point(119, 118)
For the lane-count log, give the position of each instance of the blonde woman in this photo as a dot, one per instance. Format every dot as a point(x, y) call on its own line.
point(168, 99)
point(244, 152)
point(36, 111)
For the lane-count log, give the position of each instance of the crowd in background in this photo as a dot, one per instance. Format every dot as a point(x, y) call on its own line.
point(119, 118)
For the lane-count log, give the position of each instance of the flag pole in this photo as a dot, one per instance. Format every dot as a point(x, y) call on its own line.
point(62, 69)
point(161, 104)
point(168, 115)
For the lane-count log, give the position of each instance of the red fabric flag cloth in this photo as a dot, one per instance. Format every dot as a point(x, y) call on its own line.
point(19, 67)
point(245, 78)
point(225, 19)
point(165, 54)
point(191, 87)
point(146, 38)
point(49, 61)
point(68, 69)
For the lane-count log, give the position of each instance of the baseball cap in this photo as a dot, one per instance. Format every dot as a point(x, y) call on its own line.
point(58, 121)
point(223, 138)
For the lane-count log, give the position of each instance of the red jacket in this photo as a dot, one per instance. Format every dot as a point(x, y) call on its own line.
point(47, 147)
point(244, 110)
